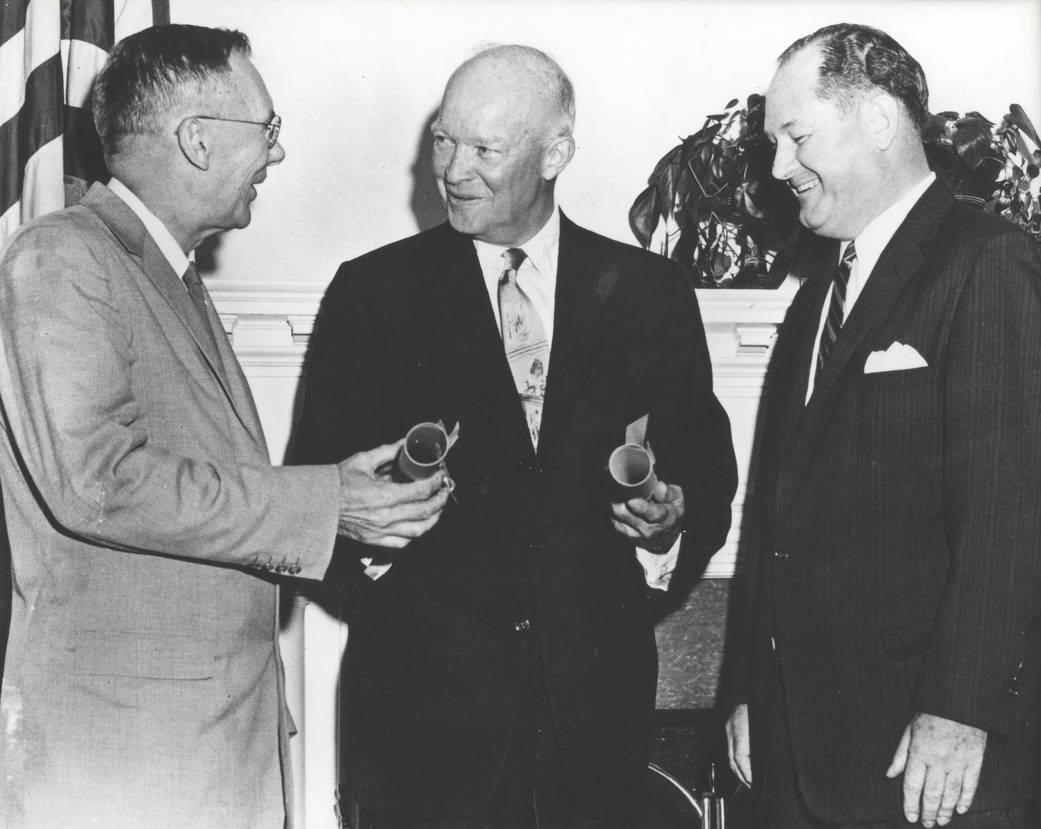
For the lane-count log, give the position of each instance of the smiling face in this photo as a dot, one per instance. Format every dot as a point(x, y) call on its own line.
point(242, 154)
point(494, 156)
point(826, 153)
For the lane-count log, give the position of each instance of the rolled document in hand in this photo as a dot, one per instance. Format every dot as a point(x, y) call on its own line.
point(632, 469)
point(423, 452)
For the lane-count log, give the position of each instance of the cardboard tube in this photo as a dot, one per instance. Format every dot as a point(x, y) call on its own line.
point(423, 452)
point(632, 468)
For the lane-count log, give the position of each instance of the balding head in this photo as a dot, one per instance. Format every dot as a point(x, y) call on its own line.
point(501, 138)
point(527, 76)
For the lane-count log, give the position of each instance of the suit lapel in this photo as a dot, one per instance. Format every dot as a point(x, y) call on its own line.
point(885, 288)
point(804, 321)
point(169, 285)
point(235, 383)
point(133, 236)
point(461, 318)
point(577, 328)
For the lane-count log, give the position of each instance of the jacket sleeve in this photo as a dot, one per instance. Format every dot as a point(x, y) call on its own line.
point(697, 450)
point(992, 492)
point(84, 434)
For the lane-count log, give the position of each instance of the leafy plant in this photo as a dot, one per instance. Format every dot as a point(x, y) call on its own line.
point(989, 164)
point(724, 214)
point(712, 203)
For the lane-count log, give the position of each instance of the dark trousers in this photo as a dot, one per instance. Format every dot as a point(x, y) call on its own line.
point(533, 792)
point(782, 806)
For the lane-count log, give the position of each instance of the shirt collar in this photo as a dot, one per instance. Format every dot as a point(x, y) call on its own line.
point(872, 240)
point(541, 249)
point(162, 237)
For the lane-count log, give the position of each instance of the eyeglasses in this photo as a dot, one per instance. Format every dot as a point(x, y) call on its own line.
point(271, 128)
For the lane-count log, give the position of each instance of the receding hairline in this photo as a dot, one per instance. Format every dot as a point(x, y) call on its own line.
point(528, 62)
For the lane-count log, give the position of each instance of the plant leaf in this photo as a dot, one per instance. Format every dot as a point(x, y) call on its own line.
point(643, 215)
point(972, 139)
point(1020, 119)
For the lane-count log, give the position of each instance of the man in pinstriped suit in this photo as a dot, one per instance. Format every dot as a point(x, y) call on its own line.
point(889, 658)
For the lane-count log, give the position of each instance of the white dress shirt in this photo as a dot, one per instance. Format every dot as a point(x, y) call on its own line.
point(871, 241)
point(162, 237)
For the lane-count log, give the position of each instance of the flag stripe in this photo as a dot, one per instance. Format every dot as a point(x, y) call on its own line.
point(82, 62)
point(132, 16)
point(83, 156)
point(92, 21)
point(12, 77)
point(12, 18)
point(44, 188)
point(9, 221)
point(37, 123)
point(161, 12)
point(20, 56)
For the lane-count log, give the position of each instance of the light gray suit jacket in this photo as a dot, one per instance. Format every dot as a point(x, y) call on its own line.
point(143, 684)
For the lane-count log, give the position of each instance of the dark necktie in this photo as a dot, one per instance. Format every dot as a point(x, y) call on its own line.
point(193, 282)
point(836, 310)
point(525, 342)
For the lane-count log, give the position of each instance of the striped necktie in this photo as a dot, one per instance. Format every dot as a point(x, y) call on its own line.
point(836, 310)
point(525, 342)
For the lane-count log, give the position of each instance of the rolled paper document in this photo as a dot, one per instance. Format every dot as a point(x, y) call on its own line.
point(632, 468)
point(423, 452)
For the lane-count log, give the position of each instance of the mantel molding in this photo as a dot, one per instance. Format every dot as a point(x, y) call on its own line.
point(269, 316)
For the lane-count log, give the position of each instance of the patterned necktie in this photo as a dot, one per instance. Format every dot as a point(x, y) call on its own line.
point(193, 282)
point(524, 338)
point(836, 309)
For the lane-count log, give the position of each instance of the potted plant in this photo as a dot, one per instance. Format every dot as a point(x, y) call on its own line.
point(712, 203)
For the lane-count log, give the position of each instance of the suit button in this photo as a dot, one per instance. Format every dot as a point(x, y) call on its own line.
point(522, 626)
point(780, 555)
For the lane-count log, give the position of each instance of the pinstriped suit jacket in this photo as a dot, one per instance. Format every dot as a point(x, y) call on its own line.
point(143, 684)
point(896, 539)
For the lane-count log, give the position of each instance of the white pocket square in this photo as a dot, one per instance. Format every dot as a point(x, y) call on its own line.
point(898, 357)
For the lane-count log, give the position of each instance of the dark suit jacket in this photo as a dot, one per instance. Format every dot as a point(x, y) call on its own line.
point(897, 517)
point(438, 646)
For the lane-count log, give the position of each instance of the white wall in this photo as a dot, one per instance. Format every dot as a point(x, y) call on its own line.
point(356, 81)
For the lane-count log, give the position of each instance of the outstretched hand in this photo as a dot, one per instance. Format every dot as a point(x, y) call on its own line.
point(376, 510)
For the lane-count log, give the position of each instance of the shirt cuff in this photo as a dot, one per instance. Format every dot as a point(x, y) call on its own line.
point(657, 568)
point(374, 571)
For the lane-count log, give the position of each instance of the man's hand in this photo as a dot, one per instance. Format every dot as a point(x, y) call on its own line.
point(739, 746)
point(652, 523)
point(941, 761)
point(376, 510)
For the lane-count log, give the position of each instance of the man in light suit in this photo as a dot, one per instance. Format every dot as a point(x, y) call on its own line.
point(144, 684)
point(504, 666)
point(889, 660)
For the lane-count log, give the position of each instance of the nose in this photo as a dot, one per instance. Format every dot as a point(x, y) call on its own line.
point(277, 154)
point(457, 167)
point(784, 160)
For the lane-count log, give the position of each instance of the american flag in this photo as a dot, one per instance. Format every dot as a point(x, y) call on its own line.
point(50, 51)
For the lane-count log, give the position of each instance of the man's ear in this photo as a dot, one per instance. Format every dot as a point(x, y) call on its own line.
point(194, 143)
point(557, 156)
point(882, 113)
